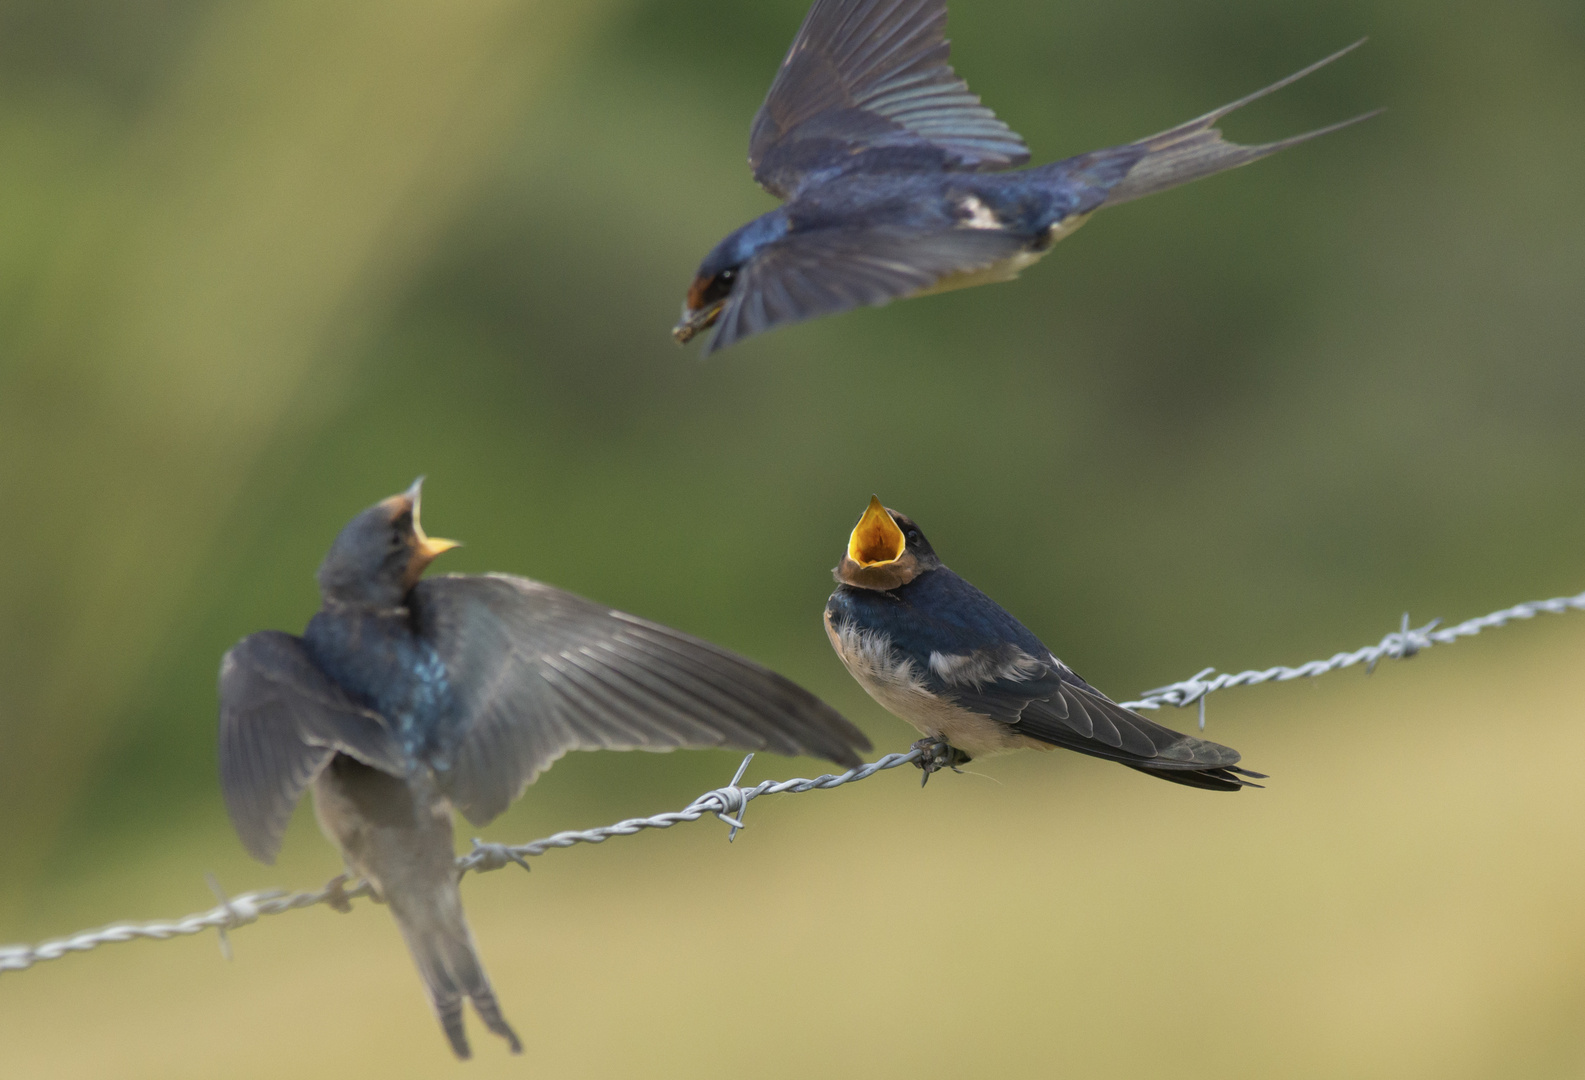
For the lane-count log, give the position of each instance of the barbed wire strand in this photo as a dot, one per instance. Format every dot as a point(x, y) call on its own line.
point(729, 803)
point(1401, 644)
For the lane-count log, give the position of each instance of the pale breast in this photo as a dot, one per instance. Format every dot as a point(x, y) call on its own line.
point(895, 682)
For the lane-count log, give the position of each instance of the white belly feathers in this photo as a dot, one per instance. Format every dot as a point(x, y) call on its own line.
point(896, 683)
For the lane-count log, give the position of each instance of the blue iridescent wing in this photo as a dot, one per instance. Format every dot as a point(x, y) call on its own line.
point(868, 75)
point(806, 275)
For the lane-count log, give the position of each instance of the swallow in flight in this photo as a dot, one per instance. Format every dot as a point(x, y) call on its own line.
point(940, 654)
point(882, 157)
point(406, 698)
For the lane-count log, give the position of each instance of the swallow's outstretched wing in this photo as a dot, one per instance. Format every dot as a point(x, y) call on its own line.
point(536, 672)
point(805, 275)
point(864, 77)
point(281, 720)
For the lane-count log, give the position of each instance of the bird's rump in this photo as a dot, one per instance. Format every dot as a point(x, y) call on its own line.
point(866, 74)
point(281, 721)
point(537, 672)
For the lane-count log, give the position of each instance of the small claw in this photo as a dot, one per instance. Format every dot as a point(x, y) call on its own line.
point(937, 755)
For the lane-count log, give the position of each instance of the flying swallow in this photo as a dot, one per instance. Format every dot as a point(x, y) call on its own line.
point(405, 698)
point(883, 160)
point(935, 651)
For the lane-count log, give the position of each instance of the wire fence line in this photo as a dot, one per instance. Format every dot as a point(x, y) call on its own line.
point(1401, 644)
point(729, 803)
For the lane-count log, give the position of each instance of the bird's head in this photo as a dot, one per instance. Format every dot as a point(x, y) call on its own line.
point(886, 550)
point(380, 554)
point(721, 272)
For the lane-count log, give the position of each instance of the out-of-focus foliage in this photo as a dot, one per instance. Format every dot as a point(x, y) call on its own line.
point(264, 261)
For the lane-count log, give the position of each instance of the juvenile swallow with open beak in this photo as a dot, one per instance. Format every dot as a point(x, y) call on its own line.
point(407, 698)
point(940, 654)
point(884, 161)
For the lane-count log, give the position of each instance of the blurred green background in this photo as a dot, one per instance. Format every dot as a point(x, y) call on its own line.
point(264, 261)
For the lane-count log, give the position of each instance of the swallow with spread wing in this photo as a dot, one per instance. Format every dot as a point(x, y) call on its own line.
point(883, 159)
point(940, 654)
point(406, 698)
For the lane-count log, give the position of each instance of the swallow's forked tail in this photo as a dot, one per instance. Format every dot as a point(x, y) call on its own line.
point(437, 935)
point(1195, 149)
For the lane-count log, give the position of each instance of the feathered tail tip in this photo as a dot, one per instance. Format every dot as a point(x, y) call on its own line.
point(438, 937)
point(1223, 778)
point(1196, 149)
point(449, 1011)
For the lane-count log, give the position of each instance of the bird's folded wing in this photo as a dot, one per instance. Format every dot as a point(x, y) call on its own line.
point(867, 74)
point(281, 720)
point(805, 275)
point(536, 672)
point(1047, 701)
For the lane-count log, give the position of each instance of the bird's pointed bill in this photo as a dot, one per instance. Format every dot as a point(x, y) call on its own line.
point(695, 321)
point(426, 549)
point(876, 539)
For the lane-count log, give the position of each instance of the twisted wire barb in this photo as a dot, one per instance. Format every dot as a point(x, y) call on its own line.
point(1398, 645)
point(730, 802)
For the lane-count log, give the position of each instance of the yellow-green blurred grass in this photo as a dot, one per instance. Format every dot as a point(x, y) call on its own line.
point(1407, 899)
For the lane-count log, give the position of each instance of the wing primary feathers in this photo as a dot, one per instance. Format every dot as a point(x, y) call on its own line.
point(538, 672)
point(864, 75)
point(808, 274)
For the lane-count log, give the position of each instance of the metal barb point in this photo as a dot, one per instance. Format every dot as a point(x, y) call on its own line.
point(1403, 643)
point(1183, 694)
point(496, 856)
point(733, 804)
point(336, 894)
point(1202, 712)
point(233, 918)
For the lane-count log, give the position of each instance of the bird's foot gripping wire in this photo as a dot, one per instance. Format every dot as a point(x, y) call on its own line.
point(937, 755)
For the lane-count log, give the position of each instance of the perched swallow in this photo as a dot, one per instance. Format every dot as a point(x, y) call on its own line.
point(940, 654)
point(406, 698)
point(880, 154)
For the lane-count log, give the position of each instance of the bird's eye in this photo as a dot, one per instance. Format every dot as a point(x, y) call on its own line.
point(913, 536)
point(727, 275)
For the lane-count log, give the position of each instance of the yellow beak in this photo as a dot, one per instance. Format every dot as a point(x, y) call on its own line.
point(425, 548)
point(428, 546)
point(876, 538)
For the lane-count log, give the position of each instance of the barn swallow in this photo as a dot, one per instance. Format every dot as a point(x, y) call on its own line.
point(406, 698)
point(880, 154)
point(940, 654)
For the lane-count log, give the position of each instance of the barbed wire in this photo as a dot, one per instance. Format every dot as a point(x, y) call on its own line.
point(730, 802)
point(1401, 644)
